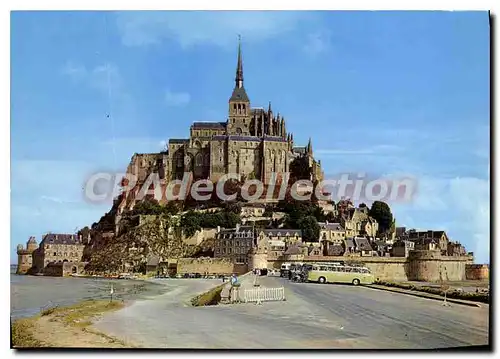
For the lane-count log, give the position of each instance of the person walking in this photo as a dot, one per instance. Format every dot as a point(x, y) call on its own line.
point(234, 284)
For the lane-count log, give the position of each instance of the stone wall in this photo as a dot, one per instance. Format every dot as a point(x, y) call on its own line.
point(24, 262)
point(427, 266)
point(64, 269)
point(209, 266)
point(431, 266)
point(200, 236)
point(477, 271)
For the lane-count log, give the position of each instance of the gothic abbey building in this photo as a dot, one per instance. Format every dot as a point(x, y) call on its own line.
point(252, 143)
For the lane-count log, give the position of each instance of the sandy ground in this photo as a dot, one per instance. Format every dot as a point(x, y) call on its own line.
point(313, 316)
point(55, 334)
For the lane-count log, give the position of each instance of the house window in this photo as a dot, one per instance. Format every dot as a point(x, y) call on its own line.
point(55, 254)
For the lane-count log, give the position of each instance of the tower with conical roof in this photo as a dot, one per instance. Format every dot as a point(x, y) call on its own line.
point(239, 104)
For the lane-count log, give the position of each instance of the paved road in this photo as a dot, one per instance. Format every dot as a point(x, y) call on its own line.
point(313, 316)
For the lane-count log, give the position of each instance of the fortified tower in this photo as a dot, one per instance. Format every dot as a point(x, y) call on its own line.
point(24, 256)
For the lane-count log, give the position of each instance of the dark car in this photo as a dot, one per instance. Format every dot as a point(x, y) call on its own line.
point(263, 271)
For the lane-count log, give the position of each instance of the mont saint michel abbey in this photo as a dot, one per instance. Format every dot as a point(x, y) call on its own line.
point(253, 142)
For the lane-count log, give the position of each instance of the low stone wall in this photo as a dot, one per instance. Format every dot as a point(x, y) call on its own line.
point(477, 271)
point(427, 266)
point(64, 269)
point(383, 268)
point(209, 266)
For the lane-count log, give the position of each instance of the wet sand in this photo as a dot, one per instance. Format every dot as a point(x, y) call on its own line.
point(31, 294)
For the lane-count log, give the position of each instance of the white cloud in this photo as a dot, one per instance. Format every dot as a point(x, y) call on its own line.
point(458, 205)
point(104, 77)
point(177, 98)
point(195, 27)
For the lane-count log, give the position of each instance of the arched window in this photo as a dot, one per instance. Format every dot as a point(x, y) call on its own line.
point(198, 160)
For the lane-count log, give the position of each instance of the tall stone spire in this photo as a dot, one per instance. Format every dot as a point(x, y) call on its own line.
point(239, 66)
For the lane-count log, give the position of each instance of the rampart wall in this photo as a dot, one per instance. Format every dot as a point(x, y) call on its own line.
point(428, 266)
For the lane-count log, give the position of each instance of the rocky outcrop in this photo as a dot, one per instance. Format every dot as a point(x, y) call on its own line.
point(132, 248)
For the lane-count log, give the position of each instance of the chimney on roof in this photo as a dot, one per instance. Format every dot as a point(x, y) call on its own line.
point(237, 227)
point(56, 237)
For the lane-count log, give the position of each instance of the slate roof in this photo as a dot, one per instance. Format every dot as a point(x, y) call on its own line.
point(400, 230)
point(243, 138)
point(349, 243)
point(299, 149)
point(331, 226)
point(363, 244)
point(233, 230)
point(153, 260)
point(209, 125)
point(282, 232)
point(57, 238)
point(335, 250)
point(239, 94)
point(294, 249)
point(178, 140)
point(274, 138)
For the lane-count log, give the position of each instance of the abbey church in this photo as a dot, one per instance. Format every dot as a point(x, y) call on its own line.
point(253, 142)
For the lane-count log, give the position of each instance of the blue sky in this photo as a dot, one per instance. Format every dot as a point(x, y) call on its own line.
point(385, 93)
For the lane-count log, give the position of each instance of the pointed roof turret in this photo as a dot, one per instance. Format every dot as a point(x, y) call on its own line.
point(239, 94)
point(309, 146)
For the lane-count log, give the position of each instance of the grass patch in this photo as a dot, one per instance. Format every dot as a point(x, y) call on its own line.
point(22, 334)
point(78, 316)
point(212, 297)
point(81, 314)
point(451, 293)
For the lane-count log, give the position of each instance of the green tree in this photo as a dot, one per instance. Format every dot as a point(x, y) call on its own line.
point(310, 229)
point(190, 223)
point(382, 213)
point(300, 169)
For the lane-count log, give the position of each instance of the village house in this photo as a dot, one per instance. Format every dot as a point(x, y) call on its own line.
point(331, 232)
point(235, 243)
point(59, 254)
point(357, 222)
point(289, 236)
point(439, 236)
point(456, 249)
point(252, 210)
point(402, 248)
point(362, 246)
